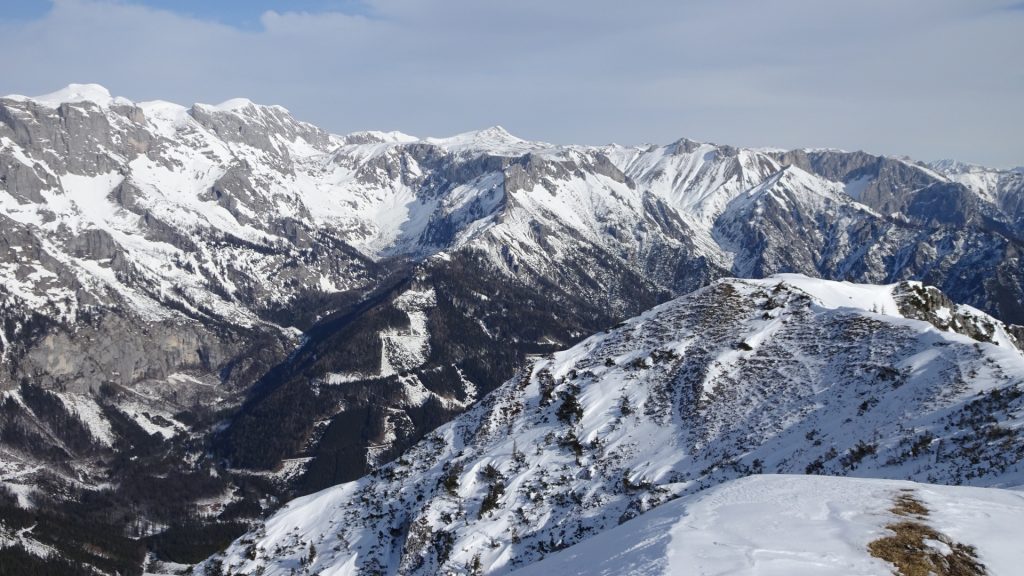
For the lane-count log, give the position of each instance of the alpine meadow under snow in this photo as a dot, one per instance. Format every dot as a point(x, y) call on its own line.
point(481, 354)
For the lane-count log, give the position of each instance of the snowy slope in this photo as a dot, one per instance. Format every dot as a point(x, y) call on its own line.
point(178, 198)
point(786, 375)
point(987, 182)
point(699, 179)
point(793, 525)
point(1004, 188)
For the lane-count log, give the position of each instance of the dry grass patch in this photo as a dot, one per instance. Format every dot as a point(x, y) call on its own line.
point(916, 549)
point(907, 505)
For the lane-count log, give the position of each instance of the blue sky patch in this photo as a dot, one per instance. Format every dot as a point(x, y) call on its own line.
point(243, 14)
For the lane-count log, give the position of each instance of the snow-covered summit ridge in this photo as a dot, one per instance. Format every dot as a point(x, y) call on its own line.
point(878, 298)
point(102, 97)
point(235, 104)
point(907, 299)
point(73, 94)
point(378, 137)
point(953, 166)
point(722, 530)
point(495, 140)
point(994, 185)
point(783, 375)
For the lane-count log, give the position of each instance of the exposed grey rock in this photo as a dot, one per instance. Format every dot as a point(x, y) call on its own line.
point(888, 182)
point(234, 192)
point(24, 183)
point(931, 305)
point(528, 172)
point(94, 244)
point(126, 195)
point(159, 231)
point(258, 126)
point(943, 204)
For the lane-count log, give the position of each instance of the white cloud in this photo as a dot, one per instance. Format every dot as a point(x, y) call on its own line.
point(929, 78)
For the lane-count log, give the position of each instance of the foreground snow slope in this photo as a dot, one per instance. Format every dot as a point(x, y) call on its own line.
point(793, 526)
point(786, 375)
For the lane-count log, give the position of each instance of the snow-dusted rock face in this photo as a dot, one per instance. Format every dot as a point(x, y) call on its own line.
point(783, 375)
point(1002, 187)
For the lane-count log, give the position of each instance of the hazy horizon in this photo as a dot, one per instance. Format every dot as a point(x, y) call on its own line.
point(929, 80)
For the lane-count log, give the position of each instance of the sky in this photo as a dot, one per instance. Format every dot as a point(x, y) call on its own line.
point(930, 79)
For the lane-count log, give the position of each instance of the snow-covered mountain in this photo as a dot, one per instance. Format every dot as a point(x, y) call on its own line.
point(217, 209)
point(228, 292)
point(787, 375)
point(1004, 188)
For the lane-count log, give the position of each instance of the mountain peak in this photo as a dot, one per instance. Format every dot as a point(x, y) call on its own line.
point(494, 140)
point(953, 166)
point(73, 94)
point(496, 131)
point(235, 104)
point(239, 106)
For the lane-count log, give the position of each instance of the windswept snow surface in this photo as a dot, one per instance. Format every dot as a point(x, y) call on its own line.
point(831, 294)
point(792, 526)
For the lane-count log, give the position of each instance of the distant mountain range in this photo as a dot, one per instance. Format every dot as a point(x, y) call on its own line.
point(235, 306)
